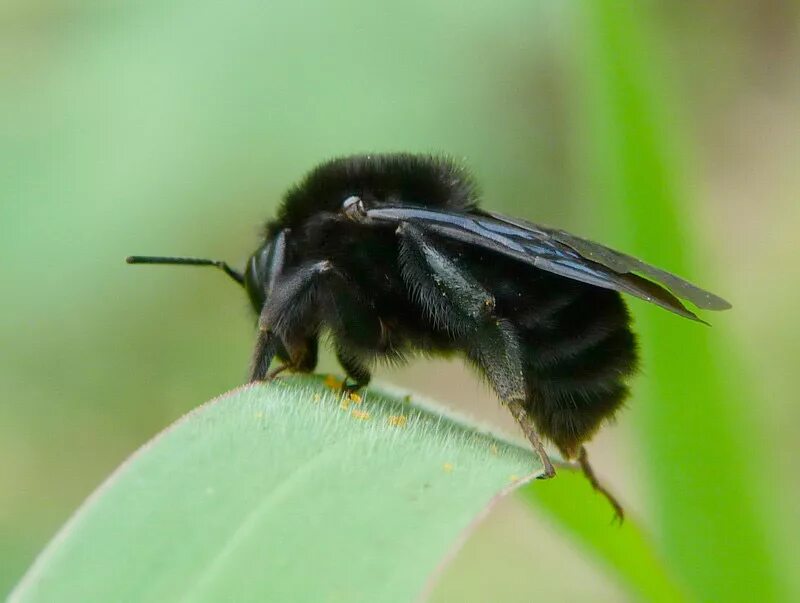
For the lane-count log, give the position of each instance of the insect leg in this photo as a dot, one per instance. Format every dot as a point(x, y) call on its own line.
point(462, 306)
point(355, 370)
point(583, 461)
point(301, 301)
point(267, 346)
point(355, 327)
point(289, 321)
point(301, 357)
point(529, 429)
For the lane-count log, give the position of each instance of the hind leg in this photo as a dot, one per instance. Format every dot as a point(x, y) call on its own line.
point(583, 462)
point(459, 304)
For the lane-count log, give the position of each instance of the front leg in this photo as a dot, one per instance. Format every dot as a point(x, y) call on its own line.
point(300, 357)
point(267, 346)
point(302, 301)
point(289, 322)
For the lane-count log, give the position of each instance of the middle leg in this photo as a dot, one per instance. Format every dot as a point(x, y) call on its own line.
point(355, 370)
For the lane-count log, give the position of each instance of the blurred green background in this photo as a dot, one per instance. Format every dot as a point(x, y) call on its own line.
point(173, 127)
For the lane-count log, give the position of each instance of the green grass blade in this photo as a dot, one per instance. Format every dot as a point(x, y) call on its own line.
point(626, 551)
point(280, 493)
point(693, 408)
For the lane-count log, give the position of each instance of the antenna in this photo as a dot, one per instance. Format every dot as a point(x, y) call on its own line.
point(146, 259)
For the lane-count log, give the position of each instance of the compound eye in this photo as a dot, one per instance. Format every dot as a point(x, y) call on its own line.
point(353, 207)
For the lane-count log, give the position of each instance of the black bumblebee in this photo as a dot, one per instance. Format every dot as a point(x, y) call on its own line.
point(392, 256)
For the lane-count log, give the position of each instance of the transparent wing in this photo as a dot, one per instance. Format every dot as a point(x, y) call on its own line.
point(623, 263)
point(557, 252)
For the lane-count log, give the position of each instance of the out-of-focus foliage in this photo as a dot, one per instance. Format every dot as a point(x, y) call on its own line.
point(623, 549)
point(697, 408)
point(172, 127)
point(695, 381)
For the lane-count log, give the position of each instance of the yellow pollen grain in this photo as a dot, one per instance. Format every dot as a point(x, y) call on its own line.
point(355, 397)
point(360, 415)
point(345, 404)
point(398, 420)
point(316, 397)
point(332, 382)
point(448, 467)
point(513, 477)
point(494, 450)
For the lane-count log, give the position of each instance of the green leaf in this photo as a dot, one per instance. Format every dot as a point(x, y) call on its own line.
point(281, 493)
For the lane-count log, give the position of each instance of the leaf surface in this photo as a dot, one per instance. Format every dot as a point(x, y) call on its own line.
point(277, 493)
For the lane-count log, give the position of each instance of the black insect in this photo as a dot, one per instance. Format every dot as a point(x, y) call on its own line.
point(393, 257)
